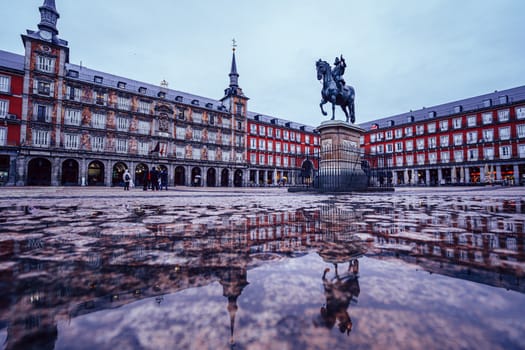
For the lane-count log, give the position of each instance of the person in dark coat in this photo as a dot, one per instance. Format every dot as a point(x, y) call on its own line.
point(145, 180)
point(154, 179)
point(164, 179)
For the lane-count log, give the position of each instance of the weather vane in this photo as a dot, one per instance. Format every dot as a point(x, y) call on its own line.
point(234, 44)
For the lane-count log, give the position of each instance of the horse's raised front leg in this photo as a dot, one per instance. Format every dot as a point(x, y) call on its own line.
point(323, 101)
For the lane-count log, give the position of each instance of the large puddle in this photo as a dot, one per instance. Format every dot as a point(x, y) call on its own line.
point(361, 272)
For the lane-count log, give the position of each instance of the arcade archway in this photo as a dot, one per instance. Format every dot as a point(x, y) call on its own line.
point(237, 178)
point(39, 172)
point(180, 176)
point(225, 173)
point(210, 177)
point(116, 175)
point(69, 173)
point(95, 173)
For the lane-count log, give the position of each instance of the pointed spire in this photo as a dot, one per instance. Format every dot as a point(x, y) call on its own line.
point(234, 76)
point(48, 16)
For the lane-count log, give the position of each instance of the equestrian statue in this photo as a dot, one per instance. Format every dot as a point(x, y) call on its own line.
point(335, 89)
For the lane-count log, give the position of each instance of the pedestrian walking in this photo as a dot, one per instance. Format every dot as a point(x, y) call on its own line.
point(164, 179)
point(127, 179)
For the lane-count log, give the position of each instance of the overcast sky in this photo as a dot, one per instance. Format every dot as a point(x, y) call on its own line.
point(401, 55)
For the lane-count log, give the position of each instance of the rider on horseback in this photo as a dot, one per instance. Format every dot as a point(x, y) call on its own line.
point(338, 71)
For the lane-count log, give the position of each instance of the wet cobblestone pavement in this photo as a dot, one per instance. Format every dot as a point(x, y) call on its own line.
point(100, 268)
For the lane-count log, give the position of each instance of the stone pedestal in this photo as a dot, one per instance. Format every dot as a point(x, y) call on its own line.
point(340, 168)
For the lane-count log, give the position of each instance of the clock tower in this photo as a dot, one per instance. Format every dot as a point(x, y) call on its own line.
point(46, 56)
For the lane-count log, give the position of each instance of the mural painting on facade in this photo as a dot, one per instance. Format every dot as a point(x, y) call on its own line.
point(86, 116)
point(110, 123)
point(204, 153)
point(85, 141)
point(189, 133)
point(188, 152)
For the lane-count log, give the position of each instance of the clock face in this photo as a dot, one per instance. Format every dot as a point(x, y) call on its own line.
point(44, 34)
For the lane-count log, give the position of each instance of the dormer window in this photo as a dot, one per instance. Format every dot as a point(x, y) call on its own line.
point(487, 103)
point(72, 73)
point(209, 105)
point(97, 79)
point(142, 90)
point(458, 109)
point(161, 94)
point(178, 98)
point(195, 102)
point(431, 114)
point(121, 85)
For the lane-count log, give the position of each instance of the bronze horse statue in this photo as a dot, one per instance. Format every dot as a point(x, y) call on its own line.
point(343, 97)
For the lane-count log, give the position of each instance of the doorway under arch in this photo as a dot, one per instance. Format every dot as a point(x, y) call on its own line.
point(180, 176)
point(237, 178)
point(196, 177)
point(116, 175)
point(140, 171)
point(69, 173)
point(210, 177)
point(39, 172)
point(225, 174)
point(95, 173)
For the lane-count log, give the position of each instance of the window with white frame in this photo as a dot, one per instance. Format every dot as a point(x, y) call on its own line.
point(143, 127)
point(71, 141)
point(443, 125)
point(399, 146)
point(408, 131)
point(432, 157)
point(504, 133)
point(143, 148)
point(124, 103)
point(253, 158)
point(278, 161)
point(458, 156)
point(122, 146)
point(399, 161)
point(239, 141)
point(432, 142)
point(409, 144)
point(443, 140)
point(98, 120)
point(262, 145)
point(420, 144)
point(457, 123)
point(488, 153)
point(285, 135)
point(521, 150)
point(505, 152)
point(4, 108)
point(45, 64)
point(380, 136)
point(487, 118)
point(3, 136)
point(520, 111)
point(472, 154)
point(277, 147)
point(372, 138)
point(73, 93)
point(270, 145)
point(253, 143)
point(212, 154)
point(278, 133)
point(42, 113)
point(180, 133)
point(197, 117)
point(409, 159)
point(390, 162)
point(431, 127)
point(503, 115)
point(269, 132)
point(488, 135)
point(212, 137)
point(97, 143)
point(41, 138)
point(43, 87)
point(445, 157)
point(471, 120)
point(380, 149)
point(261, 159)
point(226, 140)
point(458, 139)
point(179, 151)
point(144, 107)
point(197, 136)
point(307, 139)
point(253, 129)
point(398, 133)
point(196, 153)
point(226, 123)
point(520, 130)
point(100, 97)
point(292, 149)
point(420, 129)
point(5, 83)
point(389, 148)
point(389, 135)
point(270, 160)
point(72, 117)
point(472, 137)
point(122, 124)
point(286, 148)
point(421, 158)
point(262, 130)
point(285, 161)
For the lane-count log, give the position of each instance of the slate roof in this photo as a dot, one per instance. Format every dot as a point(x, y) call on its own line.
point(278, 122)
point(11, 61)
point(469, 104)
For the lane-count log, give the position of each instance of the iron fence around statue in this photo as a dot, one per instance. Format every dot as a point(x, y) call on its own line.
point(341, 169)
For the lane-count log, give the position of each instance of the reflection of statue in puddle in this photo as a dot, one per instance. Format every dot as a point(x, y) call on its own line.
point(233, 281)
point(339, 292)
